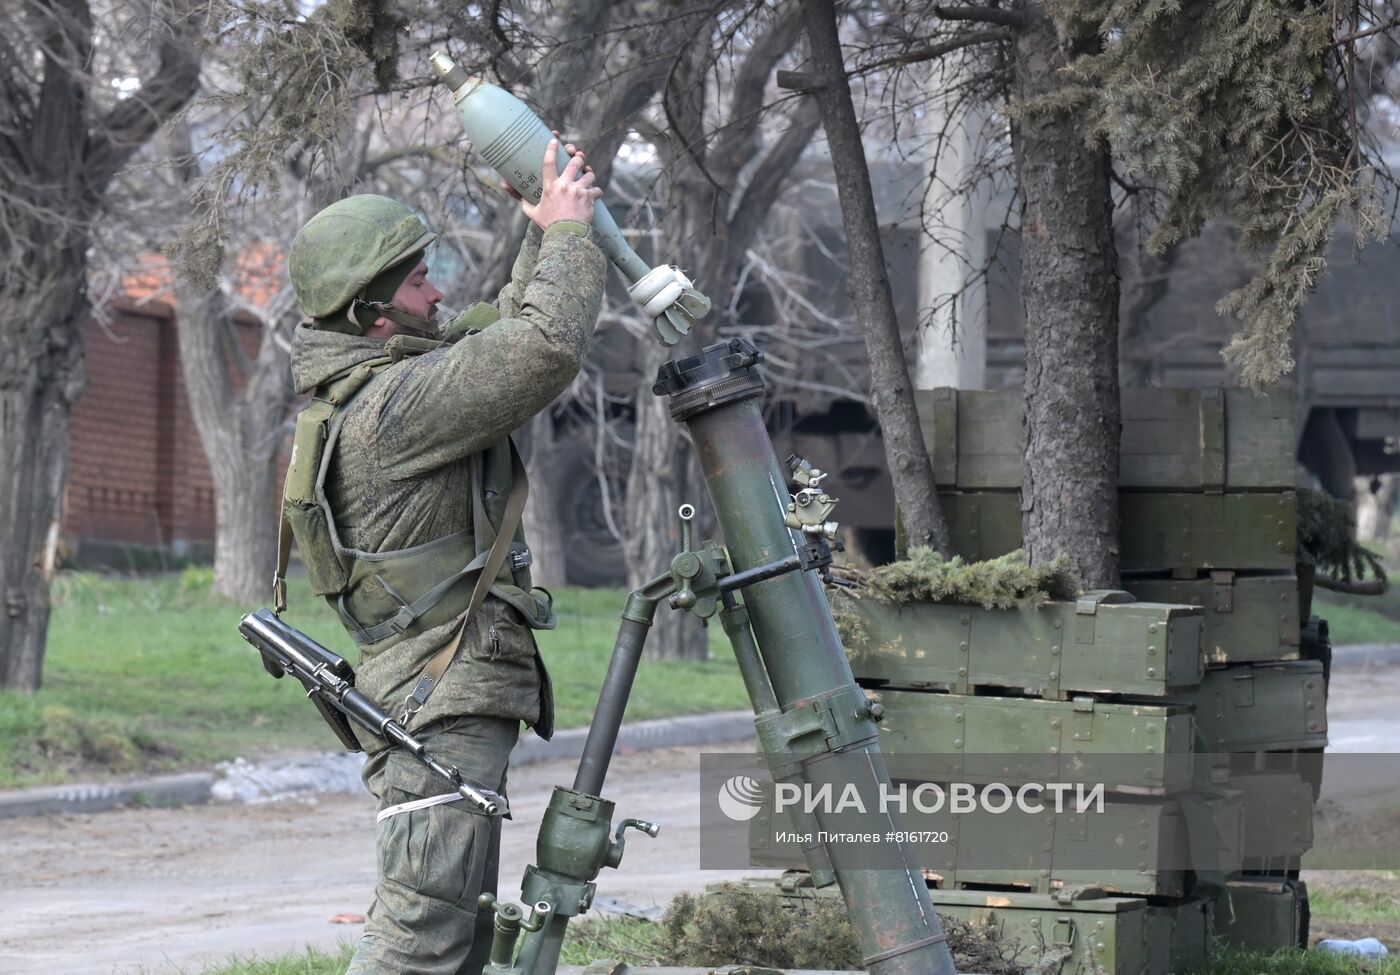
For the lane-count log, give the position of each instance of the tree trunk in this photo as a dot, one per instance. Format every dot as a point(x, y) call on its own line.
point(1069, 289)
point(57, 158)
point(41, 377)
point(891, 391)
point(241, 432)
point(245, 529)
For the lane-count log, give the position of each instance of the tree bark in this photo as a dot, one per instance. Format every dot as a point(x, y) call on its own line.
point(241, 432)
point(41, 377)
point(58, 156)
point(1069, 289)
point(891, 391)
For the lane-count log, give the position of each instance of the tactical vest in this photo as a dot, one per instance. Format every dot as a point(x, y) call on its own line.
point(385, 597)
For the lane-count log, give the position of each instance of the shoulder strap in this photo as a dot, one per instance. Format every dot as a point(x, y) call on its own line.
point(338, 390)
point(431, 675)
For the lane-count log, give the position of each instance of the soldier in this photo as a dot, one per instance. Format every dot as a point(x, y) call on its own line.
point(404, 494)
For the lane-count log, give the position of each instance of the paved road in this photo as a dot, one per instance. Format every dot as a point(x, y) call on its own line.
point(171, 889)
point(1363, 709)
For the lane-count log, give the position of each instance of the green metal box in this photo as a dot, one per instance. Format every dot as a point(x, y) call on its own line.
point(1129, 848)
point(1093, 934)
point(1178, 936)
point(1132, 847)
point(1261, 707)
point(1247, 618)
point(1097, 644)
point(1278, 818)
point(1262, 915)
point(1205, 439)
point(1141, 748)
point(1177, 532)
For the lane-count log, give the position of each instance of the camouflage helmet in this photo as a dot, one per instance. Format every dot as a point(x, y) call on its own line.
point(346, 246)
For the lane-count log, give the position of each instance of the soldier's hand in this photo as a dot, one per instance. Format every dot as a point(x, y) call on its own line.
point(570, 148)
point(569, 195)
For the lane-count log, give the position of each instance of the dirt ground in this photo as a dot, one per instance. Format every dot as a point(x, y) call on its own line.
point(170, 889)
point(161, 891)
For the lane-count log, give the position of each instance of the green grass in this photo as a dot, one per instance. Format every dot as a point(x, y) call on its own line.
point(150, 675)
point(1231, 962)
point(1360, 619)
point(312, 961)
point(1355, 905)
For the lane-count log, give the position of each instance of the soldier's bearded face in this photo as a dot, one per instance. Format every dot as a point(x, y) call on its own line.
point(417, 296)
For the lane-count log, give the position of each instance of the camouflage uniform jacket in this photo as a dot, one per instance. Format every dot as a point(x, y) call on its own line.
point(400, 475)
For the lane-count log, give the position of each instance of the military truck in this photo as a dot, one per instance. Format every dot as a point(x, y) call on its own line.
point(1346, 385)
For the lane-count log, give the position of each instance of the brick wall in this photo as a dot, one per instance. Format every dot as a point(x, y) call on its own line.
point(137, 474)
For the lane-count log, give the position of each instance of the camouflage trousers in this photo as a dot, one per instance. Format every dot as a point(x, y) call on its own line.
point(435, 862)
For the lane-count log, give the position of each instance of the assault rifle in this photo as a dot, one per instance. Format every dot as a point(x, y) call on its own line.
point(330, 683)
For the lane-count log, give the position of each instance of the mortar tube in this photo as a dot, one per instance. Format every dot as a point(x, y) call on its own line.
point(717, 396)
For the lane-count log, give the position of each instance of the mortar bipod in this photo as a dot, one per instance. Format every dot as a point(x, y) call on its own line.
point(574, 842)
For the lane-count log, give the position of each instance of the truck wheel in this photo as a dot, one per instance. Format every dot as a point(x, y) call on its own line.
point(593, 555)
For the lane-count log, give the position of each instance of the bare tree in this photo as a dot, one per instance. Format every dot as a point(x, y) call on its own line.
point(722, 178)
point(81, 92)
point(891, 391)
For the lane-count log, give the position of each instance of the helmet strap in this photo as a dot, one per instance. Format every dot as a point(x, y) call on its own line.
point(364, 313)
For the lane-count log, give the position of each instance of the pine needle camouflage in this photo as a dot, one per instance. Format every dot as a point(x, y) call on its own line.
point(801, 932)
point(1005, 582)
point(1237, 110)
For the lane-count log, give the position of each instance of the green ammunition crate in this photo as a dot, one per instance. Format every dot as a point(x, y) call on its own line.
point(1207, 439)
point(1096, 934)
point(1178, 936)
point(1247, 618)
point(1261, 707)
point(1278, 818)
point(1131, 847)
point(1262, 914)
point(1097, 644)
point(1138, 748)
point(1100, 935)
point(1183, 533)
